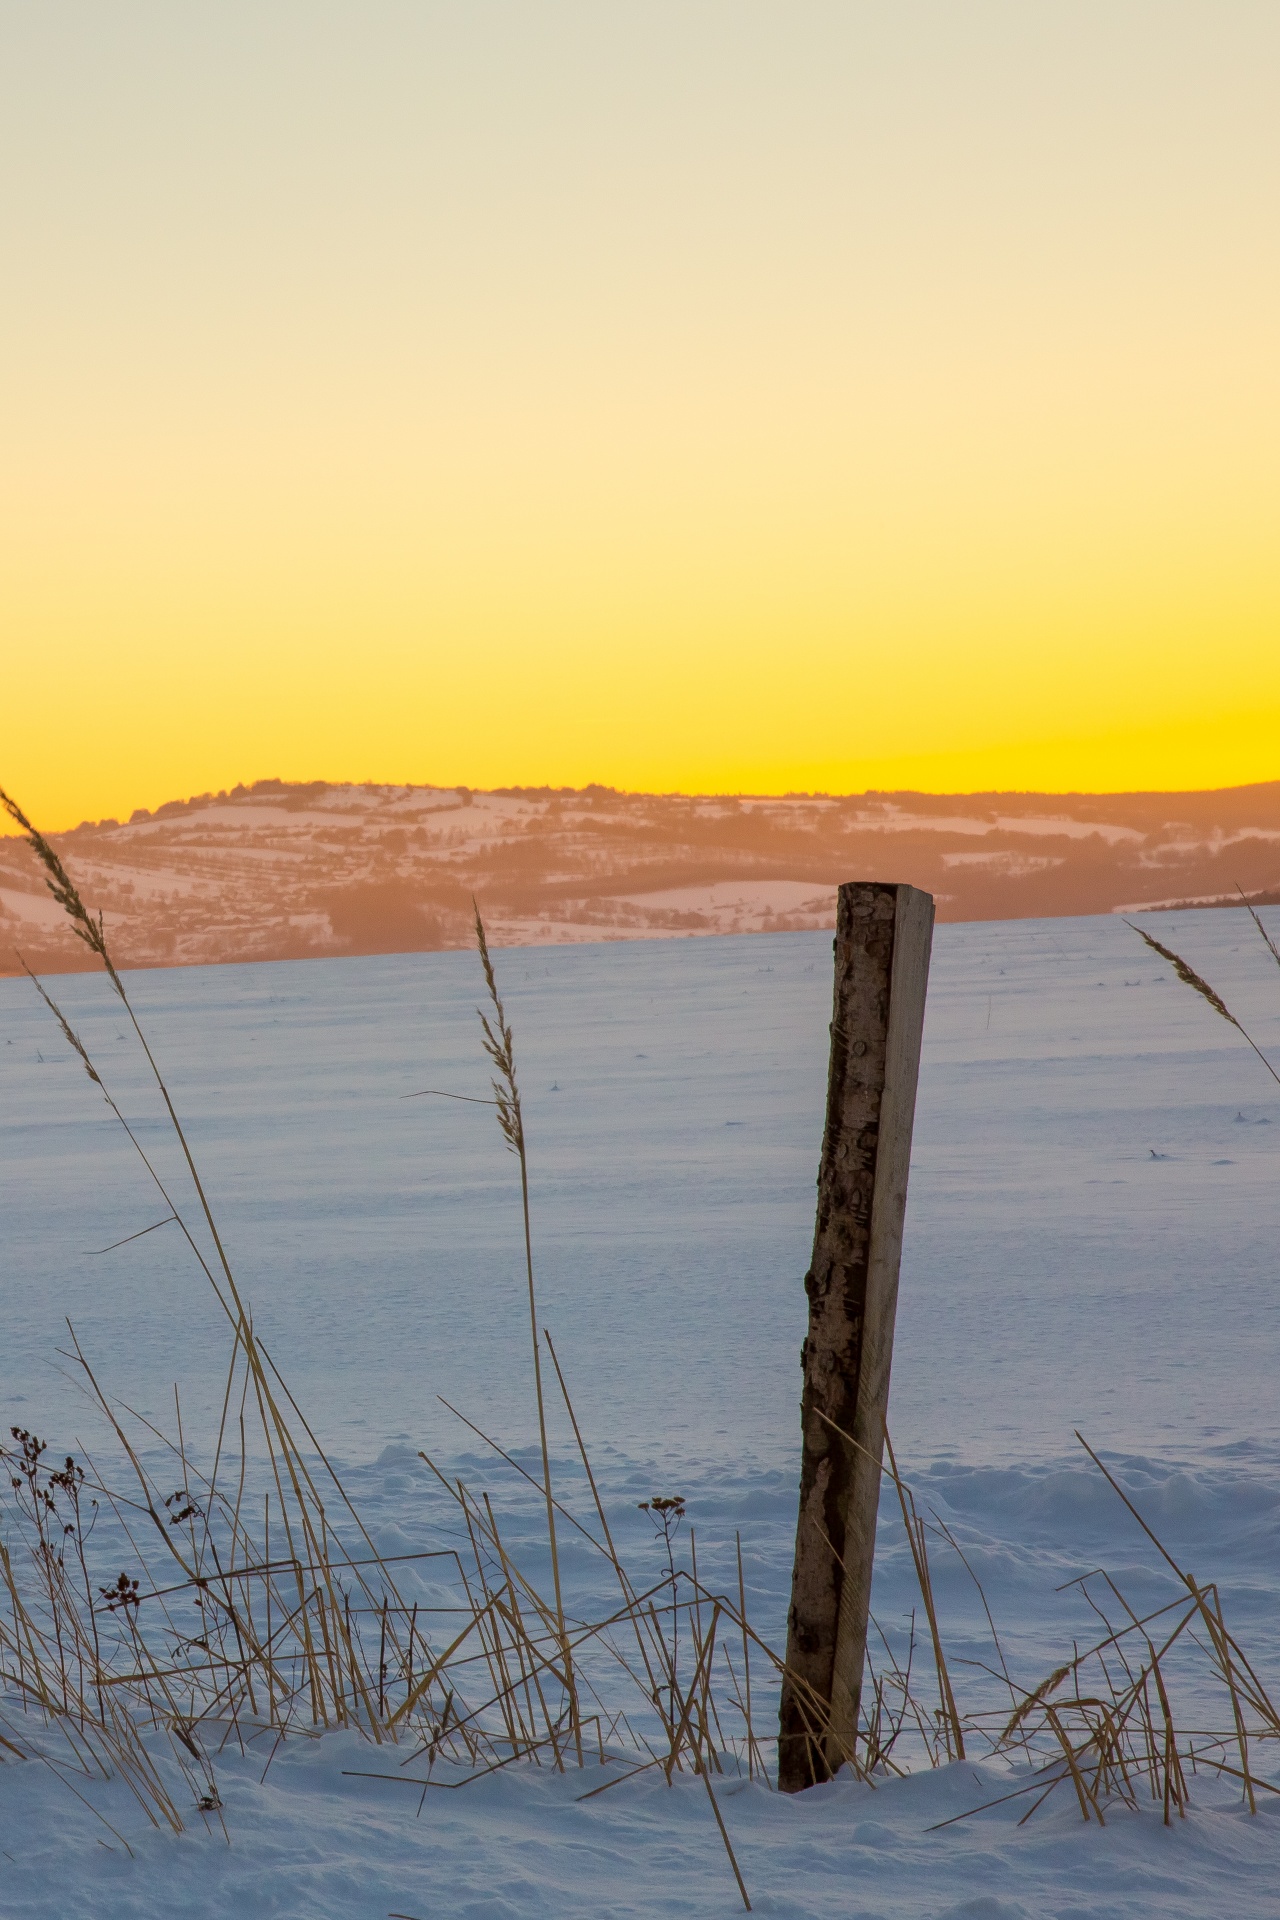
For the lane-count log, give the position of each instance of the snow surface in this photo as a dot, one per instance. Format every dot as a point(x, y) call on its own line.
point(1091, 1243)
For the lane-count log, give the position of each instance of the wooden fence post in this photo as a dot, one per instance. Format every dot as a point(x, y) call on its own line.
point(882, 945)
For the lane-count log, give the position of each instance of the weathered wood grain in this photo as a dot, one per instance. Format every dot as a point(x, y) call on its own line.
point(882, 946)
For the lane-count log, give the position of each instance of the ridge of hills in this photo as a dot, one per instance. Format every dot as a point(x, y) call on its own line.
point(284, 871)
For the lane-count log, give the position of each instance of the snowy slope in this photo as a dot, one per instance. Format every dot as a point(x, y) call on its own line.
point(1090, 1243)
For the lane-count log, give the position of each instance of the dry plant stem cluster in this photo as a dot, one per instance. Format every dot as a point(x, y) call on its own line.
point(290, 1613)
point(500, 1047)
point(300, 1623)
point(1106, 1718)
point(214, 1554)
point(1103, 1722)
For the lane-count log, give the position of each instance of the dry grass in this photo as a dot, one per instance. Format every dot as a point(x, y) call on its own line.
point(290, 1608)
point(1190, 978)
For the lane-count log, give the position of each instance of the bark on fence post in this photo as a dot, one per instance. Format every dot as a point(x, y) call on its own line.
point(882, 945)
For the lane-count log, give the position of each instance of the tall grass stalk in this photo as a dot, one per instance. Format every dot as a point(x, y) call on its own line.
point(499, 1044)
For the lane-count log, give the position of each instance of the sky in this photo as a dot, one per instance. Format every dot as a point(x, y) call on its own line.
point(709, 395)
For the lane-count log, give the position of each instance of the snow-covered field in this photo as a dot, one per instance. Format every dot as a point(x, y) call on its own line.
point(1091, 1243)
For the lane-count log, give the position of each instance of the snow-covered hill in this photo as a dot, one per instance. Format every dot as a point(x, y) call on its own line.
point(278, 872)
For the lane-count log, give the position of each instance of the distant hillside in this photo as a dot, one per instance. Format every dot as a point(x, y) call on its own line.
point(276, 871)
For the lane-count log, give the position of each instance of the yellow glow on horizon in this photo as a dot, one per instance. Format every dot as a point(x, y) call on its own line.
point(736, 401)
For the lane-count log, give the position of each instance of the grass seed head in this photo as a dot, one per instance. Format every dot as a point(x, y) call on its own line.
point(62, 886)
point(1187, 974)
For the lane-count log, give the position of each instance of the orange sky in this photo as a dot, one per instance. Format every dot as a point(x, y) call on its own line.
point(732, 396)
